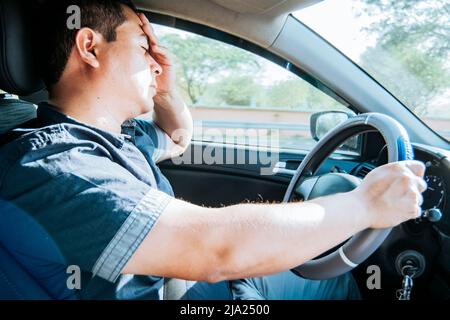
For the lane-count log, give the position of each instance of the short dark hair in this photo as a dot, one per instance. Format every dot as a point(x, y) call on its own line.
point(103, 16)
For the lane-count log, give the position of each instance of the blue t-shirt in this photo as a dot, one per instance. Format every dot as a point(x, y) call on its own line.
point(95, 195)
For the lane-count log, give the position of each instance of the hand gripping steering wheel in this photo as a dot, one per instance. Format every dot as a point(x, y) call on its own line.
point(304, 182)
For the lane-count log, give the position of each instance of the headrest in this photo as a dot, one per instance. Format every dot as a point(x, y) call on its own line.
point(18, 70)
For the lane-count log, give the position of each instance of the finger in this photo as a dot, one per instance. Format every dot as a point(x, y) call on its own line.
point(146, 26)
point(161, 55)
point(421, 184)
point(148, 29)
point(160, 51)
point(413, 210)
point(144, 18)
point(417, 196)
point(417, 167)
point(420, 200)
point(151, 36)
point(416, 200)
point(418, 212)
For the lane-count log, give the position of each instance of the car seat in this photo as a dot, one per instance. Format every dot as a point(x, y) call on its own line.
point(26, 249)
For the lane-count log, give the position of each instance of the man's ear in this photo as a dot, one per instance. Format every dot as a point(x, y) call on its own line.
point(86, 44)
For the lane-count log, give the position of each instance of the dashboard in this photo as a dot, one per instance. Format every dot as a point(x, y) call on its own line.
point(437, 176)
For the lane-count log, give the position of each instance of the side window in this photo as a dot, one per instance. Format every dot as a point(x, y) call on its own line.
point(238, 97)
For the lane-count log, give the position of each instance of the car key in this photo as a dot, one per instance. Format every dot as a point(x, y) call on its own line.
point(408, 272)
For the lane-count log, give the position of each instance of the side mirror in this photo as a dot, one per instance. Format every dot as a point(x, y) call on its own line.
point(323, 122)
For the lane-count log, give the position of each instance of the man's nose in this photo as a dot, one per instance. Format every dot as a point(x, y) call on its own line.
point(156, 68)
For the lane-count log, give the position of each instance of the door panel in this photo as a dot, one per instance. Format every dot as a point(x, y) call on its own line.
point(212, 188)
point(221, 183)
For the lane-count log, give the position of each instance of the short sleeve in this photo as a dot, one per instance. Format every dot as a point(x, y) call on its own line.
point(160, 138)
point(95, 210)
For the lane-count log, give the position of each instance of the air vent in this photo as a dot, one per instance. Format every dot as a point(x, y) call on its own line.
point(363, 170)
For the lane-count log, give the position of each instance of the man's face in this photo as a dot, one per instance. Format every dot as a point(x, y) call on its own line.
point(129, 69)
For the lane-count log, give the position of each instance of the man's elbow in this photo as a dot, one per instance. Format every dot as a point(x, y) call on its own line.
point(182, 146)
point(224, 263)
point(182, 139)
point(215, 275)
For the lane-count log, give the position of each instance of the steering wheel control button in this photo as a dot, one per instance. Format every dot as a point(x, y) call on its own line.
point(433, 214)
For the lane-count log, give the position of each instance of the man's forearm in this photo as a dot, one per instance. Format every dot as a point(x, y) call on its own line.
point(245, 240)
point(266, 239)
point(172, 115)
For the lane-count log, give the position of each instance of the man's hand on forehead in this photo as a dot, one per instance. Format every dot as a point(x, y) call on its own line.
point(158, 52)
point(166, 79)
point(148, 30)
point(170, 113)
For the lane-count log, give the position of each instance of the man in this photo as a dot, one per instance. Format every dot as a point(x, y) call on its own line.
point(85, 170)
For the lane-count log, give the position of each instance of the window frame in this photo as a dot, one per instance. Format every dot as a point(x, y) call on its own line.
point(224, 37)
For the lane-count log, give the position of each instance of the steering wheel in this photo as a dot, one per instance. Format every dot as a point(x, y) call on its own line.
point(304, 182)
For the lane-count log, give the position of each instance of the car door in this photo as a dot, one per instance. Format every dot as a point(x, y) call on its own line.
point(252, 117)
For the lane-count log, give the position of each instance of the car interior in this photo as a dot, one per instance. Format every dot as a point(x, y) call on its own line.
point(268, 29)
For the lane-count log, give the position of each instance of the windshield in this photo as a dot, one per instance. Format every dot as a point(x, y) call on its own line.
point(403, 44)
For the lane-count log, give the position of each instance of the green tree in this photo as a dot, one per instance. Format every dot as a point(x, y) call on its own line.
point(412, 53)
point(414, 77)
point(201, 62)
point(287, 94)
point(238, 90)
point(422, 22)
point(296, 94)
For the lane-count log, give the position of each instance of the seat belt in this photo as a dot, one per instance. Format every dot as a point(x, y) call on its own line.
point(174, 289)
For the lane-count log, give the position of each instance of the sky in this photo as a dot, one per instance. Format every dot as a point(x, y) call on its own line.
point(341, 22)
point(337, 21)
